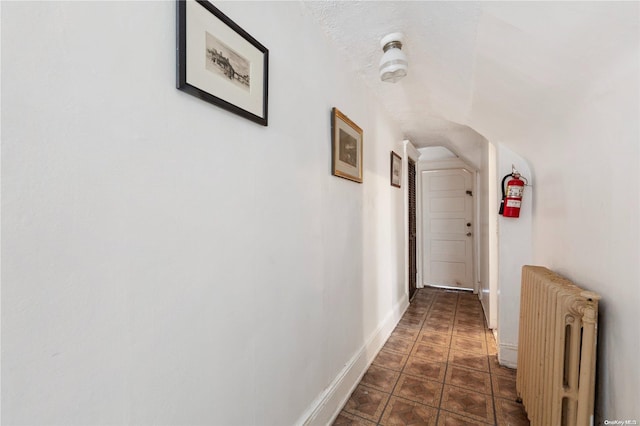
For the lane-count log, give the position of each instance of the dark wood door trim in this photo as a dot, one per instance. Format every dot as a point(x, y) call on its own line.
point(413, 267)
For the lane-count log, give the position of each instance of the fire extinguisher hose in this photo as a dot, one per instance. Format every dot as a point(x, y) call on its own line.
point(504, 190)
point(504, 193)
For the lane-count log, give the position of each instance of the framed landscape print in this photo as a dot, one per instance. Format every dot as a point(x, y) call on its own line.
point(221, 63)
point(346, 147)
point(396, 169)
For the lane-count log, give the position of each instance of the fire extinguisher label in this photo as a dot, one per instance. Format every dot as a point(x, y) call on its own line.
point(514, 191)
point(513, 203)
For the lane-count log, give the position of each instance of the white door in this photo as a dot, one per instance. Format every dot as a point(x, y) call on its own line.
point(447, 229)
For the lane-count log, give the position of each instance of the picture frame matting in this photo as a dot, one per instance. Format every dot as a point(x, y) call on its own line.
point(219, 62)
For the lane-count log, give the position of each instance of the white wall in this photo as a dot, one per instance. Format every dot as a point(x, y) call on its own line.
point(574, 118)
point(514, 251)
point(165, 261)
point(457, 141)
point(436, 153)
point(587, 219)
point(487, 231)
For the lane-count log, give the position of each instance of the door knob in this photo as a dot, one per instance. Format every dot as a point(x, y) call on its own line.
point(468, 223)
point(468, 234)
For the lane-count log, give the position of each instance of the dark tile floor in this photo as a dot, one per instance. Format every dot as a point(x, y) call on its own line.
point(439, 367)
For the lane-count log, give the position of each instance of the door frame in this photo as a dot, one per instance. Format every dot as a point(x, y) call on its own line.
point(410, 152)
point(449, 164)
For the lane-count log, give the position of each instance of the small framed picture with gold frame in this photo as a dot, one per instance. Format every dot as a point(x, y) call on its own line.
point(346, 147)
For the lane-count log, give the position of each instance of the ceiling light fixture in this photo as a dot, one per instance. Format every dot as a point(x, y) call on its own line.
point(393, 64)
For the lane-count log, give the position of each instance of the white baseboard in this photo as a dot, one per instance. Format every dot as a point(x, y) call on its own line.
point(324, 409)
point(508, 354)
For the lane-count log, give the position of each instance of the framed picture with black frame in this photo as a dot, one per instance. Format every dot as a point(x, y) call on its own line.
point(219, 62)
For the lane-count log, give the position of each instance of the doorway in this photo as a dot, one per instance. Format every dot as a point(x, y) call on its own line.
point(447, 228)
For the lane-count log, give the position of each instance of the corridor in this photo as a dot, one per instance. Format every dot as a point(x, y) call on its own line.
point(438, 367)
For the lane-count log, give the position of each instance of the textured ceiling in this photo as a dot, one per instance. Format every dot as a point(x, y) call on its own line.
point(498, 68)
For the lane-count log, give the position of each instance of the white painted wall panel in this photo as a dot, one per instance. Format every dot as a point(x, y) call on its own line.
point(448, 248)
point(515, 249)
point(448, 183)
point(168, 262)
point(447, 204)
point(443, 272)
point(587, 216)
point(446, 226)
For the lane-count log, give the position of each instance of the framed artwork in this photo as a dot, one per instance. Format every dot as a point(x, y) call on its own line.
point(396, 169)
point(346, 147)
point(221, 63)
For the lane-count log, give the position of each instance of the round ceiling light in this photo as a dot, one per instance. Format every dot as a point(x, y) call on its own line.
point(393, 64)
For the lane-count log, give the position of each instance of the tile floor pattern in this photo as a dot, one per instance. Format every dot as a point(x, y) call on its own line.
point(439, 367)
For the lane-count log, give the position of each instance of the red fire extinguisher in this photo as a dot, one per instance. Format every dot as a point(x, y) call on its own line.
point(512, 194)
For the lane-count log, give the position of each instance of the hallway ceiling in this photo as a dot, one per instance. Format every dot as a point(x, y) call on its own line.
point(498, 68)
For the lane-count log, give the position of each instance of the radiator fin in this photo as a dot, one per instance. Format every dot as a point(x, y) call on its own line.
point(556, 349)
